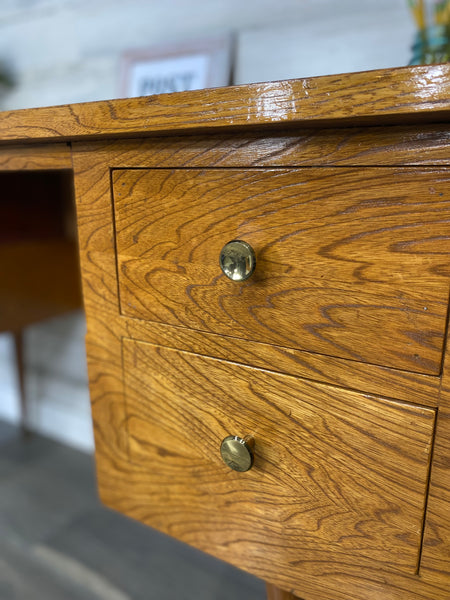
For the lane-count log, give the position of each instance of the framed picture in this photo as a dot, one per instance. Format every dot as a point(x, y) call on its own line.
point(176, 68)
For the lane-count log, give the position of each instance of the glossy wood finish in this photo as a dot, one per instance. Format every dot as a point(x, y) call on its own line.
point(351, 263)
point(336, 473)
point(402, 385)
point(92, 163)
point(362, 146)
point(106, 329)
point(291, 125)
point(386, 96)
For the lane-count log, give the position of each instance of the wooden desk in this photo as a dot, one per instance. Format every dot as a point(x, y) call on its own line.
point(330, 360)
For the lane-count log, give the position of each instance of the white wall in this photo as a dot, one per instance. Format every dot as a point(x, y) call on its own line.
point(55, 380)
point(69, 51)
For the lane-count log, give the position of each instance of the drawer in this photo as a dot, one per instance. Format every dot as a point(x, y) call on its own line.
point(350, 262)
point(338, 477)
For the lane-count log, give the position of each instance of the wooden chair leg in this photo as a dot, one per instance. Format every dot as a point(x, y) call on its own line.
point(274, 593)
point(20, 363)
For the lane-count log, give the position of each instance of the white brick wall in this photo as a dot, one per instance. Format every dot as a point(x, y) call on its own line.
point(69, 51)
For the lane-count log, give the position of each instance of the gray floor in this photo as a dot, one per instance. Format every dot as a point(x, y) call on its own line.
point(58, 543)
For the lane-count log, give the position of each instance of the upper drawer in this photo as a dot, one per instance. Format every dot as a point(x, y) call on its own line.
point(350, 262)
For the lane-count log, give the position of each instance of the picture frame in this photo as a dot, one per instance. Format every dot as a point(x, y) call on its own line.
point(179, 67)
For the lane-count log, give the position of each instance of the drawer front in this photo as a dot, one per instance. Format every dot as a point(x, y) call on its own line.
point(351, 263)
point(338, 477)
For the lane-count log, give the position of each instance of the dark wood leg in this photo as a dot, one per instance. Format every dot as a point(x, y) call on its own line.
point(20, 362)
point(274, 593)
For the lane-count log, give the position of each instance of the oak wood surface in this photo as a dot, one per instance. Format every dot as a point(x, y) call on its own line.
point(274, 593)
point(402, 385)
point(105, 363)
point(335, 473)
point(411, 94)
point(92, 162)
point(436, 545)
point(33, 157)
point(106, 328)
point(362, 146)
point(351, 263)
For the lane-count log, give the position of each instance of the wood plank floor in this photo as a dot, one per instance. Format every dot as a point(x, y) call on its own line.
point(57, 542)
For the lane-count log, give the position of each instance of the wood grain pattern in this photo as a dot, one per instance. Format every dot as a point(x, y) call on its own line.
point(274, 593)
point(436, 546)
point(92, 162)
point(436, 550)
point(362, 146)
point(381, 381)
point(99, 282)
point(118, 479)
point(351, 263)
point(411, 94)
point(32, 157)
point(335, 473)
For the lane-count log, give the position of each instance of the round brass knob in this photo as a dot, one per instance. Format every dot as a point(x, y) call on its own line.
point(237, 453)
point(237, 260)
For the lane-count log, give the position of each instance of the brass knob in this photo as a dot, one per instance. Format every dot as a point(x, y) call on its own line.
point(237, 453)
point(237, 260)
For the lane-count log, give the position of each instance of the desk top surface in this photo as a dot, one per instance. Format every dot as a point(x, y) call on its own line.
point(401, 95)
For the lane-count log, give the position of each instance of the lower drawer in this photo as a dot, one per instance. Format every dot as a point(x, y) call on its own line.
point(338, 476)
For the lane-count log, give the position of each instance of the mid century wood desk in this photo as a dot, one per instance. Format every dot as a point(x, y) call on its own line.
point(328, 366)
